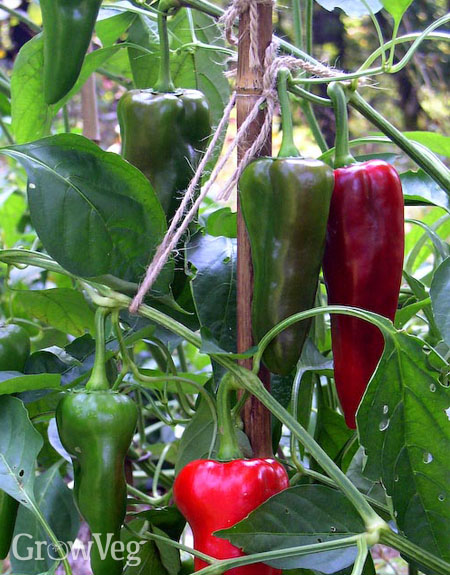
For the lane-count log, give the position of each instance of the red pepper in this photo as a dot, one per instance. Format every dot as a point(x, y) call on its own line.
point(363, 268)
point(213, 495)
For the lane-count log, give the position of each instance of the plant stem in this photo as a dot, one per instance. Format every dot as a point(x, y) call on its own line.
point(392, 52)
point(66, 119)
point(164, 83)
point(288, 148)
point(342, 155)
point(413, 552)
point(423, 158)
point(314, 125)
point(309, 26)
point(224, 565)
point(98, 380)
point(52, 536)
point(308, 96)
point(297, 22)
point(228, 444)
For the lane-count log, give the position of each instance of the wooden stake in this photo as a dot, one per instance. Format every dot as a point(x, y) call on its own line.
point(89, 112)
point(257, 420)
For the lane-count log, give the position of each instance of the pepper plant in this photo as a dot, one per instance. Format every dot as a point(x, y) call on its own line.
point(130, 429)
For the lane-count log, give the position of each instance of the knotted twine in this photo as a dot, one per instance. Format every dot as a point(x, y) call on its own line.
point(237, 8)
point(272, 65)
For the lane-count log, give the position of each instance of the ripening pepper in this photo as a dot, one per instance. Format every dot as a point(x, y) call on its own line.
point(14, 351)
point(67, 32)
point(96, 429)
point(214, 495)
point(362, 265)
point(164, 135)
point(285, 203)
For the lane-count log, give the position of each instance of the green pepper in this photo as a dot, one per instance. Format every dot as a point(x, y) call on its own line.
point(96, 428)
point(164, 135)
point(14, 352)
point(165, 131)
point(68, 27)
point(285, 203)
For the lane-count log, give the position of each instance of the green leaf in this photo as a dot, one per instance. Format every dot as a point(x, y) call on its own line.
point(13, 382)
point(420, 189)
point(111, 24)
point(56, 502)
point(437, 143)
point(396, 8)
point(62, 308)
point(301, 515)
point(11, 213)
point(170, 557)
point(198, 378)
point(31, 115)
point(222, 222)
point(214, 287)
point(94, 212)
point(20, 444)
point(199, 439)
point(350, 7)
point(440, 299)
point(404, 426)
point(372, 489)
point(333, 433)
point(146, 560)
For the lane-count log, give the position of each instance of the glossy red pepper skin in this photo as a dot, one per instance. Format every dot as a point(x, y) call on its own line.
point(213, 495)
point(362, 267)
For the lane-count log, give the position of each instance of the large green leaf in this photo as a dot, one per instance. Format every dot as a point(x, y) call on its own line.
point(31, 115)
point(64, 309)
point(440, 299)
point(95, 213)
point(20, 444)
point(14, 382)
point(404, 426)
point(301, 515)
point(56, 502)
point(419, 188)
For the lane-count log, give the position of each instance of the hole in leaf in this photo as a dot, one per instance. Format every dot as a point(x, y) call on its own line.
point(21, 473)
point(427, 457)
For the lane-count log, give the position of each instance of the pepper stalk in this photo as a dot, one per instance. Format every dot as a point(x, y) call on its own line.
point(342, 157)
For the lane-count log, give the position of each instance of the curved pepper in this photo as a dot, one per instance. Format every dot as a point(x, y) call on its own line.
point(213, 495)
point(363, 260)
point(14, 352)
point(362, 267)
point(285, 203)
point(164, 135)
point(96, 429)
point(68, 27)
